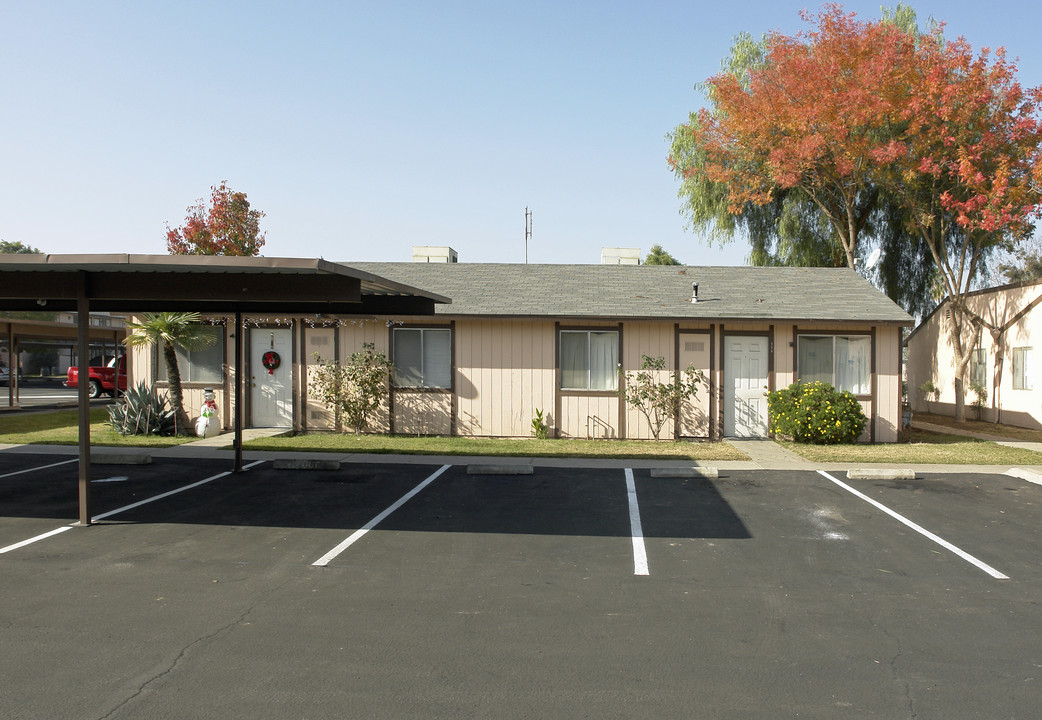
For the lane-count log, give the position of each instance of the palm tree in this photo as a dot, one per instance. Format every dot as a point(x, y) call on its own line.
point(170, 330)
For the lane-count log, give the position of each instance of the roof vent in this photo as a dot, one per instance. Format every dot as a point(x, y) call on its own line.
point(433, 254)
point(620, 256)
point(694, 292)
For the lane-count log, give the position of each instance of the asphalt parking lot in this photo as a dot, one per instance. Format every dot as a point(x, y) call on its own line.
point(409, 591)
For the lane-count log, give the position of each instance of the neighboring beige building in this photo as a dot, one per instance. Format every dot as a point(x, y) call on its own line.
point(519, 338)
point(1006, 362)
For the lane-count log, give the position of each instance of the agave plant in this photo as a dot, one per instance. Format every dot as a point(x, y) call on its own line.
point(142, 412)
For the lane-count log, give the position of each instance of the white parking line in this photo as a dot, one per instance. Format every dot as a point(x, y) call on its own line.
point(117, 511)
point(922, 531)
point(358, 534)
point(640, 555)
point(139, 503)
point(31, 540)
point(41, 467)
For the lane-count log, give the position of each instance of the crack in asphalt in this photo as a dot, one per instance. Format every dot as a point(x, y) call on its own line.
point(177, 660)
point(897, 673)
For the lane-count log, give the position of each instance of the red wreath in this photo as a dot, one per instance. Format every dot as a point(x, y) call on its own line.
point(271, 360)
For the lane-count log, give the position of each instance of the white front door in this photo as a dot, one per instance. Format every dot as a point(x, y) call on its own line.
point(745, 378)
point(271, 377)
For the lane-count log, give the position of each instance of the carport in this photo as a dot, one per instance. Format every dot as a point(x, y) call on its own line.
point(205, 284)
point(13, 329)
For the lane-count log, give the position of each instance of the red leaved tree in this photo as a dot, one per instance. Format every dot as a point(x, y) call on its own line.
point(809, 116)
point(851, 111)
point(967, 165)
point(227, 227)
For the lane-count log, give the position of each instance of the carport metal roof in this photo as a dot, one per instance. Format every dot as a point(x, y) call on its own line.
point(213, 284)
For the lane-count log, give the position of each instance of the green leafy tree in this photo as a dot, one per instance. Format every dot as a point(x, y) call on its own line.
point(227, 227)
point(658, 256)
point(1029, 268)
point(170, 330)
point(16, 248)
point(656, 400)
point(354, 390)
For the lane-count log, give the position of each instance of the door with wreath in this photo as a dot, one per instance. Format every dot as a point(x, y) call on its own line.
point(271, 377)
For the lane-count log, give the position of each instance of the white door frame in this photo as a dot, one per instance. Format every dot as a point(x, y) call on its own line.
point(271, 392)
point(744, 403)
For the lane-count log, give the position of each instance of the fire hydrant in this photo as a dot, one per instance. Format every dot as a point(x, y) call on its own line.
point(208, 424)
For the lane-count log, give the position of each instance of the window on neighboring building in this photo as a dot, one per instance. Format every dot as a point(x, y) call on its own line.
point(589, 360)
point(205, 365)
point(843, 361)
point(423, 357)
point(1022, 369)
point(979, 367)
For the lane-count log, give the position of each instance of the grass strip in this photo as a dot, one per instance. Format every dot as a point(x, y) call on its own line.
point(925, 448)
point(503, 447)
point(61, 428)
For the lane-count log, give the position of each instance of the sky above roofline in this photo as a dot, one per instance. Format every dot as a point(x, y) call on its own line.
point(363, 129)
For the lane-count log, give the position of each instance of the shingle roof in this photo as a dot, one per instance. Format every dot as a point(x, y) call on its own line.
point(647, 291)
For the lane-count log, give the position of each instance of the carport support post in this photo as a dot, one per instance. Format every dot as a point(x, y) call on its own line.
point(83, 403)
point(238, 390)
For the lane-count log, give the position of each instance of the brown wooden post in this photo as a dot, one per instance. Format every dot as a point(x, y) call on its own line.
point(83, 347)
point(238, 389)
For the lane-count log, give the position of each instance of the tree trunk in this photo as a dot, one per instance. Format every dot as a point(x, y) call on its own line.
point(173, 376)
point(960, 400)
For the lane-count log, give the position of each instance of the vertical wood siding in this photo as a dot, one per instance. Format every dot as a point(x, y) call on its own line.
point(504, 372)
point(654, 339)
point(590, 416)
point(888, 384)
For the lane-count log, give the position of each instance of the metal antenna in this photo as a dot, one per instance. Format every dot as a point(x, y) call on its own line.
point(528, 231)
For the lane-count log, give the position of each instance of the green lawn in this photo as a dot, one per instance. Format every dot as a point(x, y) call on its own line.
point(506, 447)
point(924, 448)
point(60, 428)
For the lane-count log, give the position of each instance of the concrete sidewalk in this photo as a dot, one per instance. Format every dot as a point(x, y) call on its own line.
point(762, 454)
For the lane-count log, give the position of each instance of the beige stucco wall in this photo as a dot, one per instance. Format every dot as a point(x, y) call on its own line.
point(930, 357)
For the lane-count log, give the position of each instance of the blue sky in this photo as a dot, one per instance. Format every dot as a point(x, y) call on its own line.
point(363, 129)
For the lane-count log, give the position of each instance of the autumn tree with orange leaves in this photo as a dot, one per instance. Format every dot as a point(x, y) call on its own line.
point(227, 227)
point(850, 114)
point(810, 117)
point(967, 163)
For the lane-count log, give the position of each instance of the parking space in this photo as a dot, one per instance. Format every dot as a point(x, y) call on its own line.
point(767, 593)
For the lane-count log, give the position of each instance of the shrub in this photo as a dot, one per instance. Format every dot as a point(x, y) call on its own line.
point(929, 391)
point(980, 399)
point(539, 427)
point(659, 401)
point(354, 390)
point(816, 413)
point(142, 412)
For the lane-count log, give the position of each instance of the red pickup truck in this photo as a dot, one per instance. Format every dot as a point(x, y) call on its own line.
point(111, 378)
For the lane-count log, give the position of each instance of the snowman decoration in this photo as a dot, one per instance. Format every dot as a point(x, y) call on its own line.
point(208, 424)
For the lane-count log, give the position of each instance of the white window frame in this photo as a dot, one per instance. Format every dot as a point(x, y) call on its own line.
point(1022, 375)
point(427, 379)
point(612, 375)
point(979, 366)
point(866, 378)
